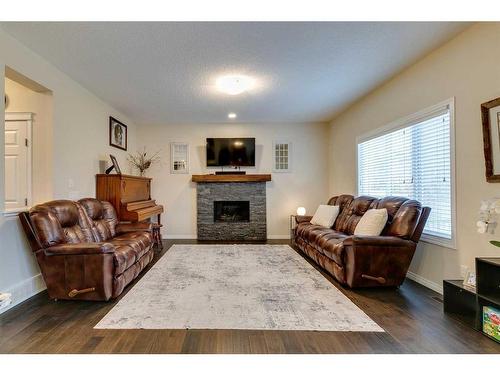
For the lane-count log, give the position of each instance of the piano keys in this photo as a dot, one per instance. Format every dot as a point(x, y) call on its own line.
point(129, 195)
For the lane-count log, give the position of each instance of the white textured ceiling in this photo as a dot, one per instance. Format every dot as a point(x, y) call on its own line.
point(164, 72)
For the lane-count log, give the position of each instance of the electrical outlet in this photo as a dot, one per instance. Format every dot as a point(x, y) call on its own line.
point(463, 270)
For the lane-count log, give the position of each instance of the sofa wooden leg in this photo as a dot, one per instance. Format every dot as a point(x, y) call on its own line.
point(379, 279)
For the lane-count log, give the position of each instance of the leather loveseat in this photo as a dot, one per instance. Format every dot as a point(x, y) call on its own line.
point(364, 261)
point(82, 249)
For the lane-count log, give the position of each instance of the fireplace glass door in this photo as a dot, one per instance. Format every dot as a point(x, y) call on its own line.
point(231, 211)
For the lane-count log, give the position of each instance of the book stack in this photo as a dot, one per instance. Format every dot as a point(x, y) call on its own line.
point(491, 322)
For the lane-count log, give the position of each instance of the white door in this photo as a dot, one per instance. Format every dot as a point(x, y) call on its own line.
point(17, 168)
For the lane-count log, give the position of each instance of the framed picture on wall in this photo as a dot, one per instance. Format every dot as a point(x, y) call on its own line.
point(490, 113)
point(117, 134)
point(179, 158)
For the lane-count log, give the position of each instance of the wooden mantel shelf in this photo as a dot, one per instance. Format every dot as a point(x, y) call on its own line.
point(231, 177)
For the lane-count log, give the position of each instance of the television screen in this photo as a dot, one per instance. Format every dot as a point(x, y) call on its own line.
point(223, 152)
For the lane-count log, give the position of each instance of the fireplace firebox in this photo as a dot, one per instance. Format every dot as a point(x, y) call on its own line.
point(231, 211)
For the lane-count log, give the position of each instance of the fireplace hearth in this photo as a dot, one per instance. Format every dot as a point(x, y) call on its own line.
point(231, 211)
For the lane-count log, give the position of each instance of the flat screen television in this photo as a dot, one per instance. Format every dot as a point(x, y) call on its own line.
point(222, 152)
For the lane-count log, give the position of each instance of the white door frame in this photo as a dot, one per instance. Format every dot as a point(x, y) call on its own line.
point(28, 117)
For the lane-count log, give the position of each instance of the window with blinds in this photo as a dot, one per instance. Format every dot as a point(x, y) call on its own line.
point(413, 161)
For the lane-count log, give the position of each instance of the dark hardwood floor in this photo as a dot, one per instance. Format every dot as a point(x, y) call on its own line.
point(411, 316)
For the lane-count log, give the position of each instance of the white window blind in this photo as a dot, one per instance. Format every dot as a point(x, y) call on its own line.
point(413, 161)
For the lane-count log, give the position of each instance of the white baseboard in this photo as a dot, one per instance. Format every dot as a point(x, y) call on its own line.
point(24, 290)
point(179, 236)
point(425, 282)
point(194, 236)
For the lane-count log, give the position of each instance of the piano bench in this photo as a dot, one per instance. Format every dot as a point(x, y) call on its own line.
point(157, 235)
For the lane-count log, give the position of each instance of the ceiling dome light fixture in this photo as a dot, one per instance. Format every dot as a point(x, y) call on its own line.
point(232, 115)
point(234, 84)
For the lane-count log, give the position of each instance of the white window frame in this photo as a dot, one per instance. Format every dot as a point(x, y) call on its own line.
point(290, 156)
point(28, 117)
point(172, 161)
point(408, 121)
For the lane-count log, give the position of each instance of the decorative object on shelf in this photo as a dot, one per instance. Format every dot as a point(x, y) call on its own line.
point(470, 279)
point(179, 157)
point(115, 166)
point(491, 322)
point(488, 212)
point(142, 161)
point(282, 156)
point(117, 134)
point(490, 114)
point(301, 211)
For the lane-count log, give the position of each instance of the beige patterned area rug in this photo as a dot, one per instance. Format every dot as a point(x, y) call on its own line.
point(261, 287)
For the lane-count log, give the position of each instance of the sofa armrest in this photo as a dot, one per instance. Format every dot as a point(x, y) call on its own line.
point(133, 227)
point(302, 219)
point(377, 260)
point(81, 248)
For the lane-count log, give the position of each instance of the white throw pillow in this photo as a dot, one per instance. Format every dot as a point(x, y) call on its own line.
point(372, 223)
point(325, 215)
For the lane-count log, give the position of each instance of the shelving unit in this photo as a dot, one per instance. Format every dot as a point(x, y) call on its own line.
point(466, 304)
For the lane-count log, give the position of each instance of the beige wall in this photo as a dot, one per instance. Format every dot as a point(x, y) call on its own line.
point(22, 99)
point(305, 186)
point(80, 139)
point(465, 68)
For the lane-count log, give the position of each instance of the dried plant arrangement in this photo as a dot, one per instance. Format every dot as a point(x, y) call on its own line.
point(142, 161)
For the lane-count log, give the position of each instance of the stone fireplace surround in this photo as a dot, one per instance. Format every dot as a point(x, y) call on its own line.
point(209, 192)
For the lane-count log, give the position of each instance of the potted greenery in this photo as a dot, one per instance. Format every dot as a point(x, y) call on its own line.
point(142, 161)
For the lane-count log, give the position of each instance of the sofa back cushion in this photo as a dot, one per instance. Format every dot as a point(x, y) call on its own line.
point(343, 201)
point(352, 213)
point(103, 218)
point(404, 215)
point(60, 221)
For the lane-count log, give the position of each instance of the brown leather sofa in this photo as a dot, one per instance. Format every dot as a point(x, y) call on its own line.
point(82, 249)
point(364, 261)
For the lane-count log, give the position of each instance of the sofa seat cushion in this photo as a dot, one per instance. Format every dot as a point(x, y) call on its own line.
point(332, 247)
point(315, 235)
point(303, 228)
point(140, 242)
point(326, 241)
point(124, 257)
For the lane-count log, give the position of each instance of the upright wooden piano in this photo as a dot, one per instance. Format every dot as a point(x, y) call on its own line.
point(129, 195)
